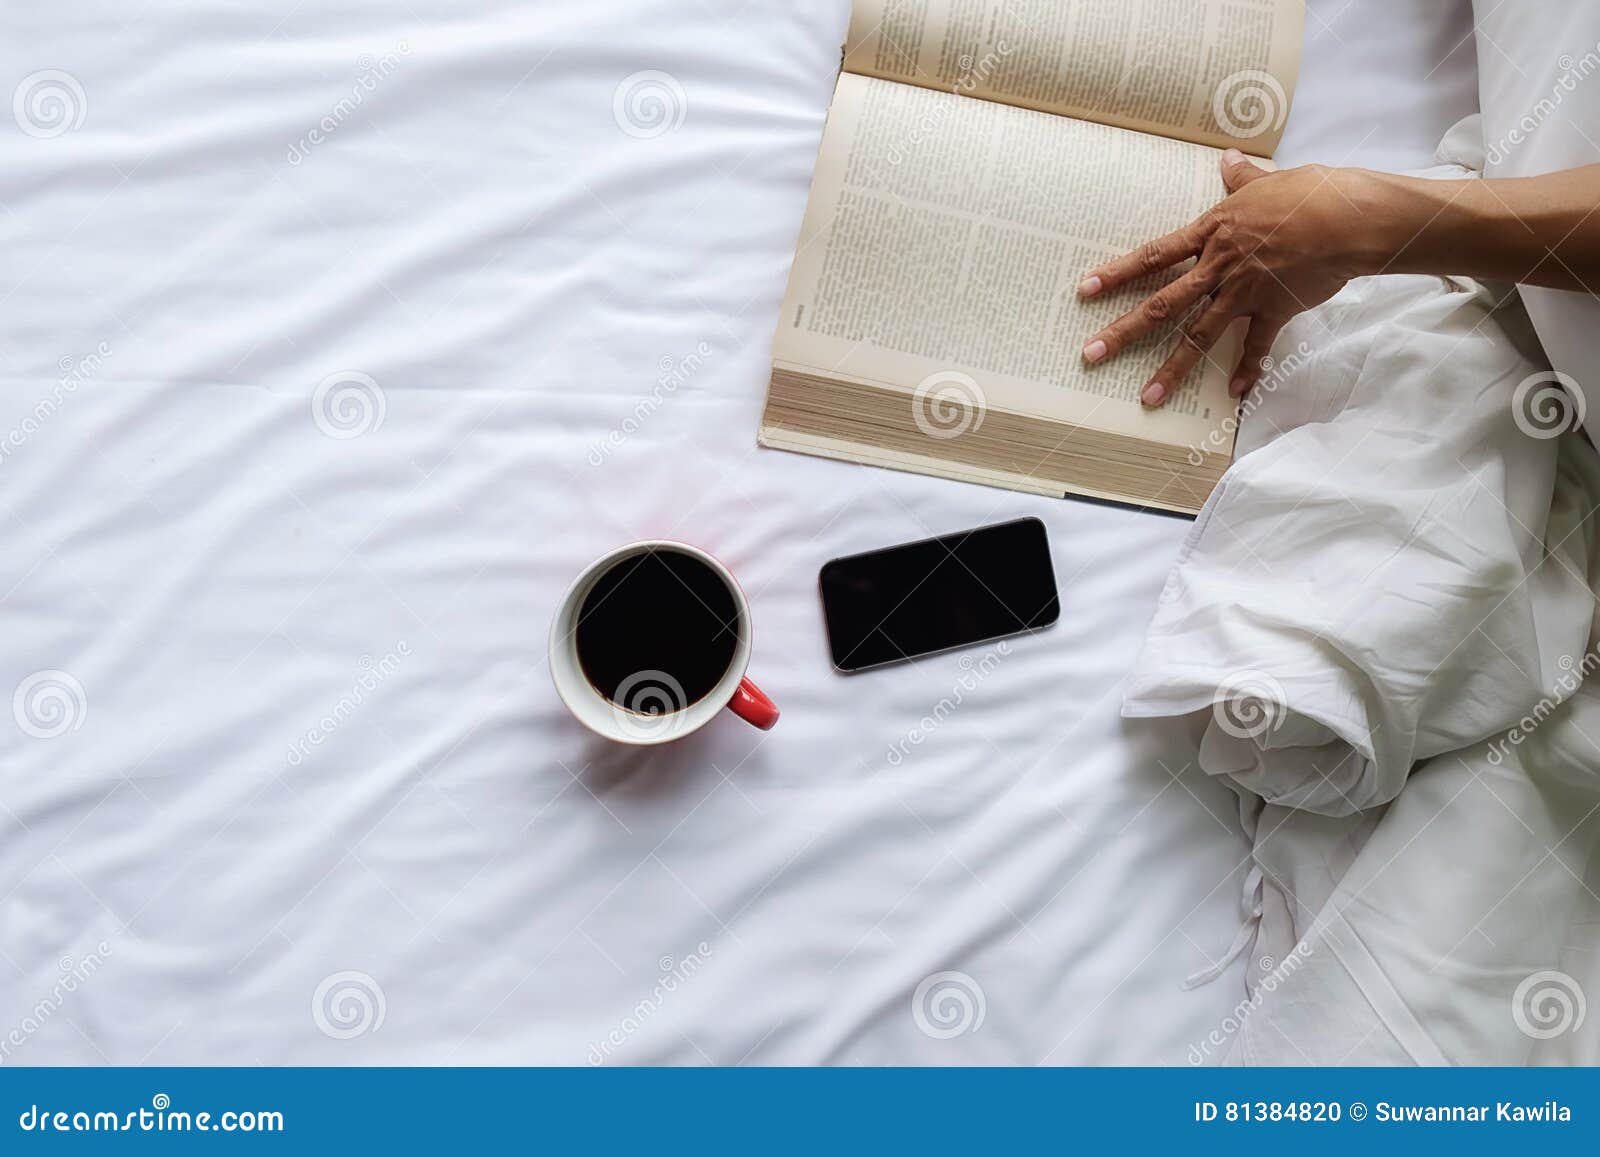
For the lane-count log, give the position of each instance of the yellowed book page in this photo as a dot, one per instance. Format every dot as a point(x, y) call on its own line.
point(943, 243)
point(1216, 72)
point(778, 438)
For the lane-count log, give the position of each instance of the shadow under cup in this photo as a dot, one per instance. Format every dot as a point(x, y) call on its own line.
point(651, 641)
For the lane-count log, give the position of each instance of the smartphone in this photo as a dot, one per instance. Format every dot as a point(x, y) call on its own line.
point(938, 594)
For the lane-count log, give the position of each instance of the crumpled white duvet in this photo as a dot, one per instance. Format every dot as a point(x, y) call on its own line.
point(1388, 608)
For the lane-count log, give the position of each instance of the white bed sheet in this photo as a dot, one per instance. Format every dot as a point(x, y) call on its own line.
point(480, 238)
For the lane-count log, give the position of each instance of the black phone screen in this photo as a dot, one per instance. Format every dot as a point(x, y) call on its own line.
point(939, 593)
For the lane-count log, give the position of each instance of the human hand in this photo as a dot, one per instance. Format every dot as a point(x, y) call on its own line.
point(1278, 244)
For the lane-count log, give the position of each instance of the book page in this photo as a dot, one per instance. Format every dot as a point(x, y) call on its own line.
point(947, 236)
point(1216, 72)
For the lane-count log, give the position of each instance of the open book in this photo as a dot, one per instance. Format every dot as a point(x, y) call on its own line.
point(979, 157)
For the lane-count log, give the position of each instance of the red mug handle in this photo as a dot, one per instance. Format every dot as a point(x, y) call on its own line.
point(751, 704)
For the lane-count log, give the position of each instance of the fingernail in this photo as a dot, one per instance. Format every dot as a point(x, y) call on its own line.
point(1153, 393)
point(1237, 387)
point(1233, 156)
point(1094, 351)
point(1089, 286)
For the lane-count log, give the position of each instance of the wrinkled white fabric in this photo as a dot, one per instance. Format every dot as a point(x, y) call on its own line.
point(1397, 569)
point(1369, 588)
point(1541, 114)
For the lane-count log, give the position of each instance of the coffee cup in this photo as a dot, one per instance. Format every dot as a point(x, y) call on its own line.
point(651, 642)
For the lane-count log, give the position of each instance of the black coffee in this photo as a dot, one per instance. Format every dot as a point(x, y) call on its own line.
point(657, 632)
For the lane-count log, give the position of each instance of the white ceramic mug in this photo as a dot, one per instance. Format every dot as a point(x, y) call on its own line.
point(658, 712)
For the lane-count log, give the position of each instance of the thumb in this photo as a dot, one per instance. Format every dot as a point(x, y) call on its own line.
point(1237, 171)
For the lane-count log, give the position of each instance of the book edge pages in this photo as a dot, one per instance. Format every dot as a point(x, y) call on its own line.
point(773, 436)
point(838, 410)
point(842, 450)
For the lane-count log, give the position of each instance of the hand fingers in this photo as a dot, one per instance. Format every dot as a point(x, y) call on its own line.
point(1257, 344)
point(1194, 342)
point(1158, 310)
point(1237, 171)
point(1180, 244)
point(1151, 257)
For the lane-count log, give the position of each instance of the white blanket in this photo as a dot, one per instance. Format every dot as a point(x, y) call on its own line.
point(1398, 570)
